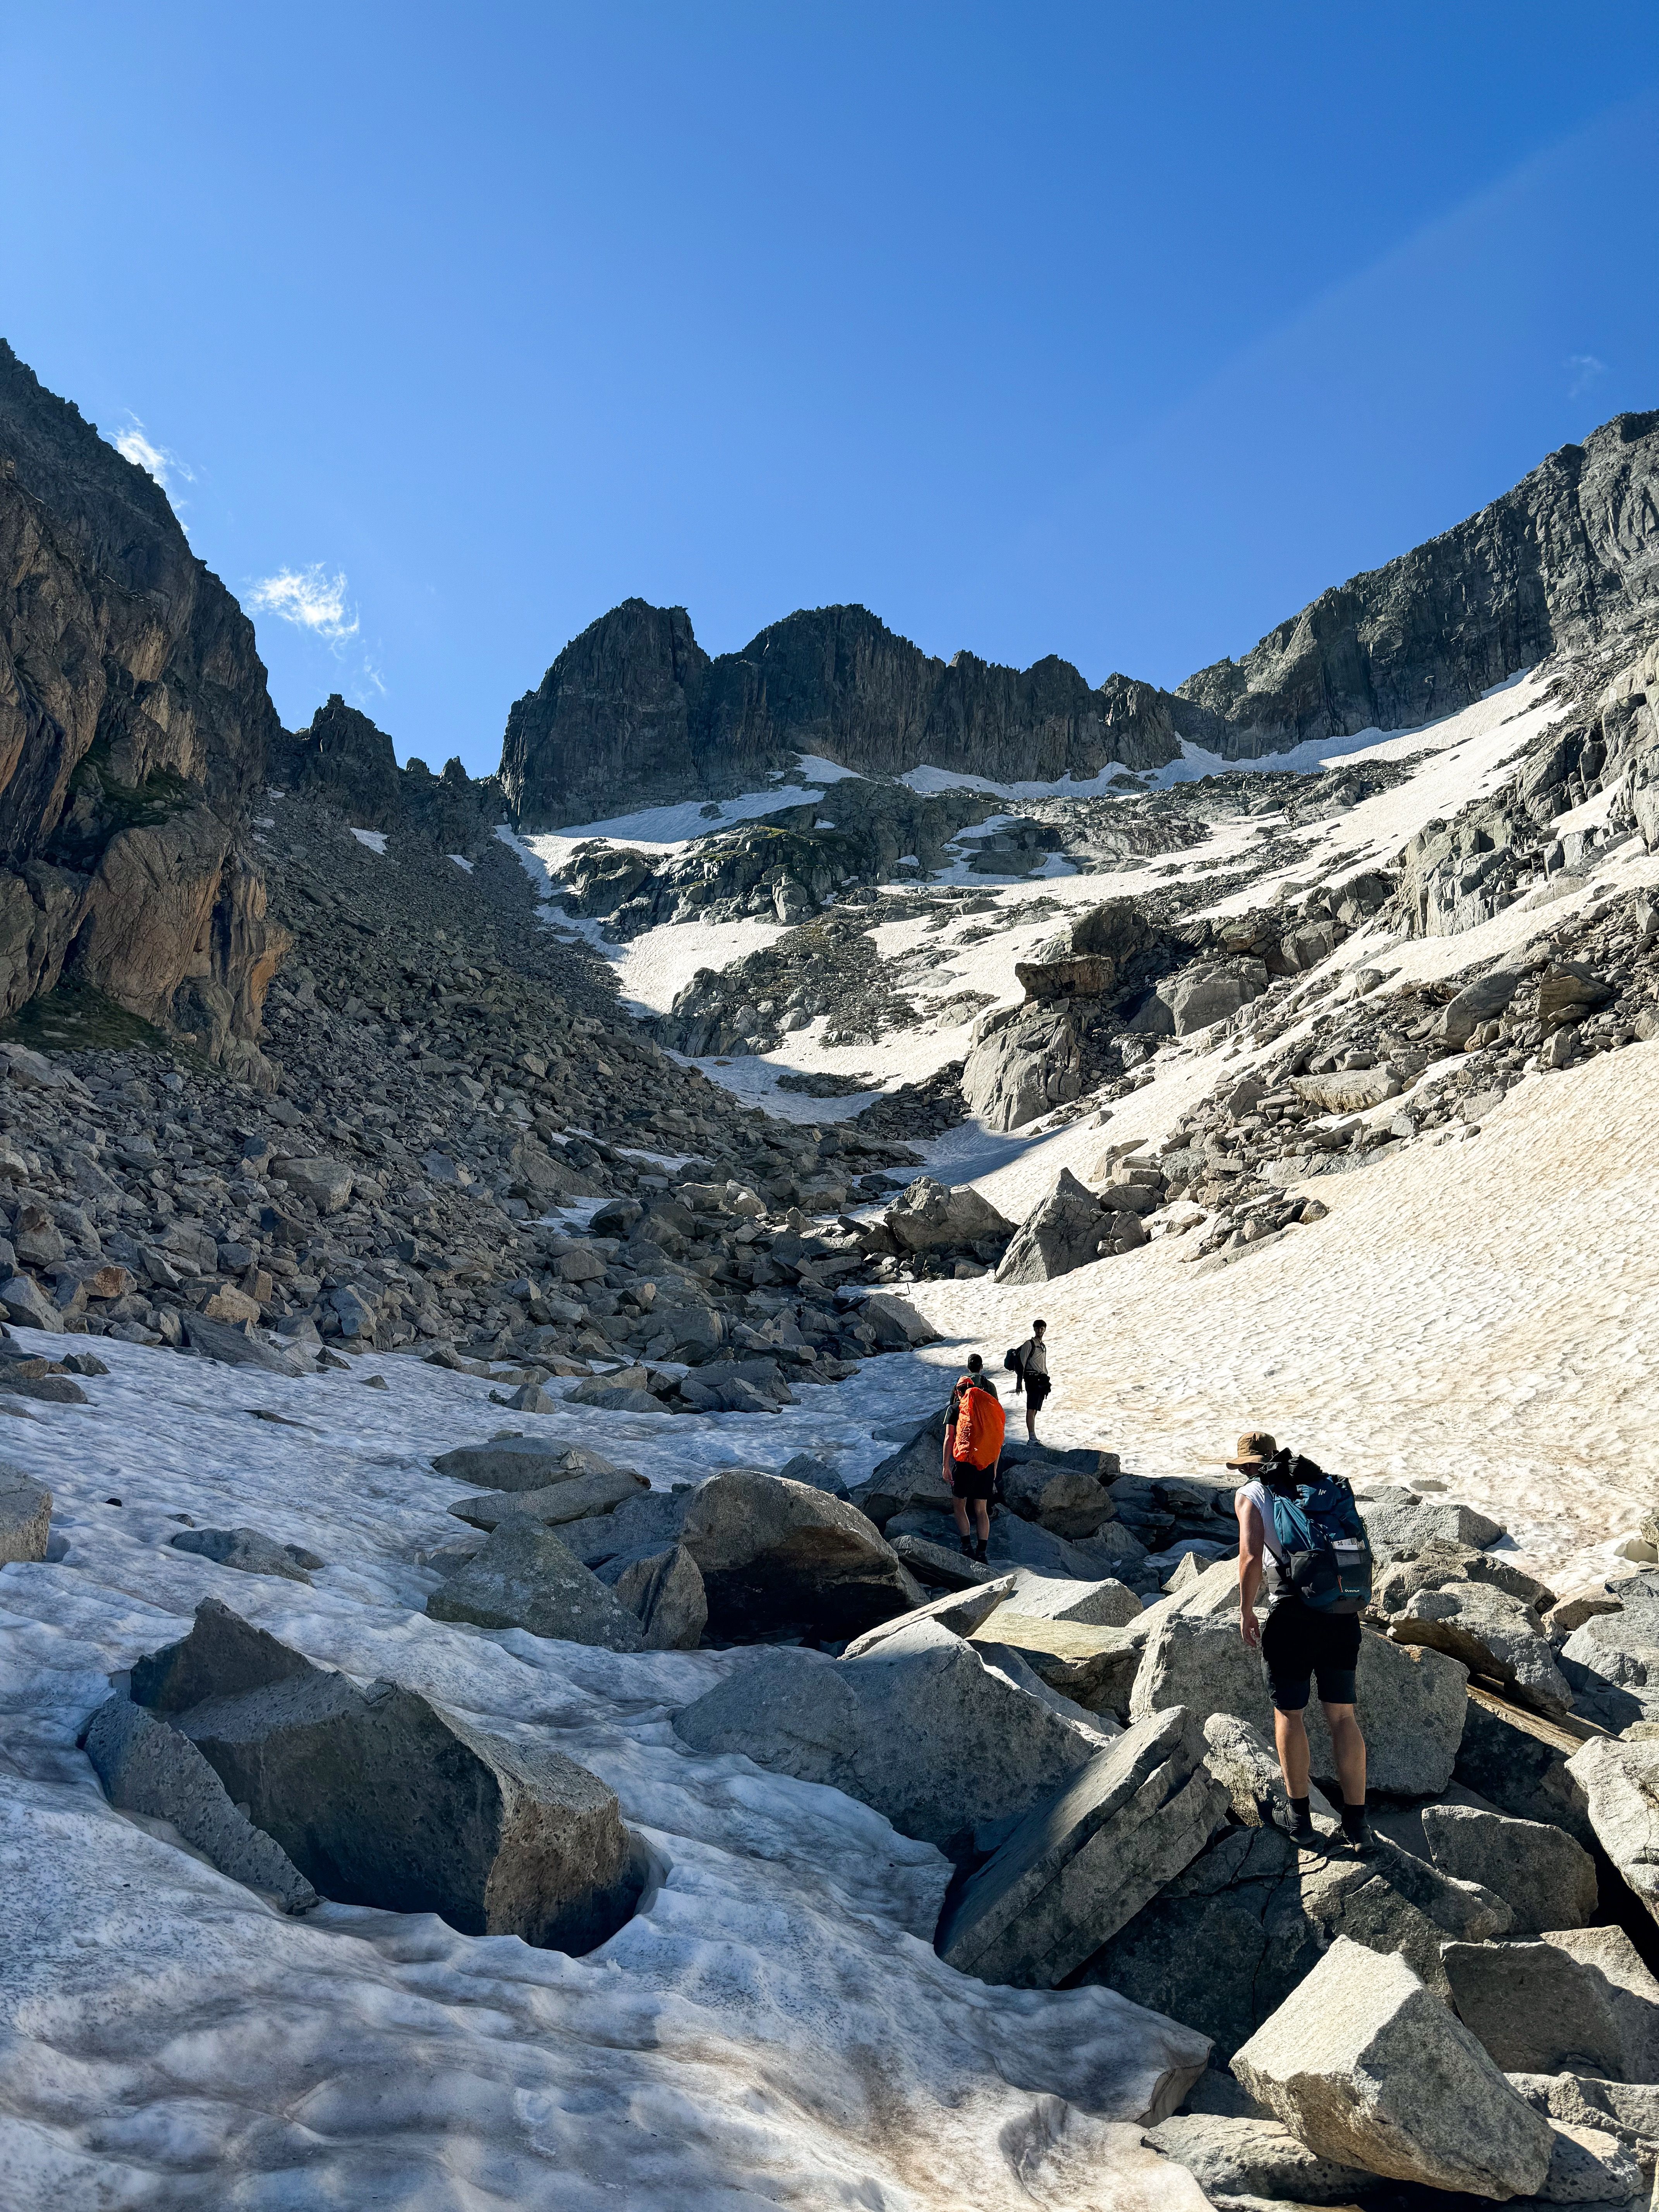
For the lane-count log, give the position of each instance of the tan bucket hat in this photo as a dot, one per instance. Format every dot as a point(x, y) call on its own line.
point(1256, 1449)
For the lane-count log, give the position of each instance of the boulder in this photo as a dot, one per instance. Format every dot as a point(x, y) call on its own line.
point(1059, 1233)
point(1517, 1761)
point(776, 1555)
point(1567, 991)
point(1630, 2113)
point(663, 1591)
point(1620, 1782)
point(649, 1520)
point(1096, 1668)
point(512, 1462)
point(232, 1346)
point(381, 1798)
point(583, 1496)
point(915, 1726)
point(1410, 1703)
point(1587, 2166)
point(930, 1215)
point(1070, 1504)
point(942, 1566)
point(1546, 1880)
point(816, 1473)
point(1483, 1000)
point(1255, 2158)
point(25, 1517)
point(1211, 992)
point(524, 1577)
point(1398, 1520)
point(1228, 1940)
point(1612, 1660)
point(327, 1183)
point(607, 1397)
point(1367, 2068)
point(898, 1325)
point(1348, 1090)
point(250, 1550)
point(1433, 1566)
point(1104, 1604)
point(960, 1611)
point(27, 1305)
point(1081, 1864)
point(148, 1767)
point(1580, 2000)
point(1493, 1634)
point(1111, 1551)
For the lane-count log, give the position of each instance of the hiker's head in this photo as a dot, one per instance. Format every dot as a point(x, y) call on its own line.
point(976, 1365)
point(1260, 1459)
point(1037, 1327)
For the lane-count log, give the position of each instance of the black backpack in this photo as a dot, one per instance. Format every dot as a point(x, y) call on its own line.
point(1016, 1366)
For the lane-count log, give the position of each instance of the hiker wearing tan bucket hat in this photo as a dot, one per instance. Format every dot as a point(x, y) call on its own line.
point(1300, 1527)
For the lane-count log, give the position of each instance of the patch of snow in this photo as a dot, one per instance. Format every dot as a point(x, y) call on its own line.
point(461, 861)
point(173, 2040)
point(374, 839)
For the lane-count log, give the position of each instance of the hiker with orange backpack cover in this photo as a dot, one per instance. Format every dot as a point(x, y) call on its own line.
point(973, 1451)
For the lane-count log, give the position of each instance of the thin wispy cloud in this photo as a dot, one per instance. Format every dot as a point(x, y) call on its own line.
point(135, 444)
point(310, 598)
point(1585, 370)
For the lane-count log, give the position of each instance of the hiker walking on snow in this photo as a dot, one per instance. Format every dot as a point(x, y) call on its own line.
point(1030, 1362)
point(1305, 1522)
point(973, 1451)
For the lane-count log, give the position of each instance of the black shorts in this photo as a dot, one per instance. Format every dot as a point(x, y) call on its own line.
point(1037, 1388)
point(968, 1480)
point(1298, 1644)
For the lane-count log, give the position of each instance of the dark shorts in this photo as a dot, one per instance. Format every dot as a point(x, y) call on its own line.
point(1298, 1644)
point(1037, 1388)
point(969, 1482)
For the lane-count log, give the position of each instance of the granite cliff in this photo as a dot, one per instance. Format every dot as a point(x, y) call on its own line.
point(634, 713)
point(134, 728)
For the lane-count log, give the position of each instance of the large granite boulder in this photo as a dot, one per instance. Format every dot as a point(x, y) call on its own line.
point(915, 1725)
point(1493, 1634)
point(931, 1216)
point(379, 1797)
point(1546, 1880)
point(782, 1556)
point(1399, 1520)
point(1067, 1230)
point(1096, 1668)
point(250, 1550)
point(1085, 1861)
point(577, 1499)
point(1518, 1762)
point(1234, 2157)
point(1368, 2069)
point(1064, 1499)
point(1580, 2000)
point(1411, 1703)
point(1107, 1603)
point(663, 1591)
point(524, 1577)
point(1228, 1940)
point(1620, 1782)
point(516, 1462)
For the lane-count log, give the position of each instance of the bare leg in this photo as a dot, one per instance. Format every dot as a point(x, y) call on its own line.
point(1290, 1739)
point(959, 1507)
point(981, 1520)
point(1349, 1747)
point(1030, 1421)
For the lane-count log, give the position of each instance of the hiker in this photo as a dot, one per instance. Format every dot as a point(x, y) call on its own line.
point(1029, 1363)
point(1306, 1524)
point(973, 1452)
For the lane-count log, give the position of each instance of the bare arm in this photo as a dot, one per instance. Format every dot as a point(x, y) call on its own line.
point(1251, 1540)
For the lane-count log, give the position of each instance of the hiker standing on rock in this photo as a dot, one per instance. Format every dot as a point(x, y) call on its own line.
point(1030, 1365)
point(1306, 1523)
point(973, 1450)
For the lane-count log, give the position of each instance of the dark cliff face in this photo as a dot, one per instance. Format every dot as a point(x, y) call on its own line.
point(134, 726)
point(349, 763)
point(633, 713)
point(1568, 557)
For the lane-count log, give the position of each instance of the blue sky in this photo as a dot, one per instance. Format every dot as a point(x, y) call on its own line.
point(1114, 332)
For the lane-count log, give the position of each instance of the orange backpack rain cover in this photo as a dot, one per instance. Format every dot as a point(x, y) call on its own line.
point(979, 1425)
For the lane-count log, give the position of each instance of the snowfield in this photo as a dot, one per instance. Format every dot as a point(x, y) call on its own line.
point(773, 2028)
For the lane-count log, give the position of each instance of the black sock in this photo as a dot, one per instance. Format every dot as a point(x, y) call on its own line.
point(1301, 1812)
point(1353, 1817)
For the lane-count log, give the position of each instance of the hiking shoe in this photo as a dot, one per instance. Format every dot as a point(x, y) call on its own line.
point(1357, 1834)
point(982, 1552)
point(1298, 1826)
point(968, 1550)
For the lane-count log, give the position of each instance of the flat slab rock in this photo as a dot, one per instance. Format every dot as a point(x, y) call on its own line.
point(25, 1517)
point(250, 1550)
point(511, 1462)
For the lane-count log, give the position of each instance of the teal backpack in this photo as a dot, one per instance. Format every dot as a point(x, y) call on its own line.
point(1328, 1553)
